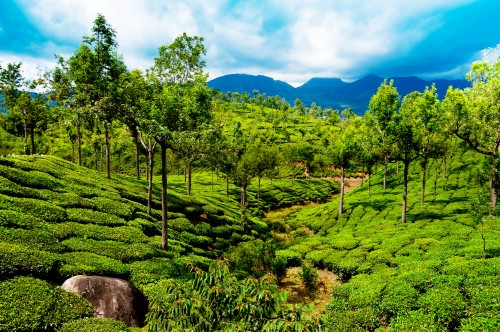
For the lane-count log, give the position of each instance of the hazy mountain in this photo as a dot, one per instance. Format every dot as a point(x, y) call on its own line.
point(329, 92)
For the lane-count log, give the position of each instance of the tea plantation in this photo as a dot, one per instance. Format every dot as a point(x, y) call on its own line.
point(440, 271)
point(58, 220)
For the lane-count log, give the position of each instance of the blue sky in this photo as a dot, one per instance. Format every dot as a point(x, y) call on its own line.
point(290, 40)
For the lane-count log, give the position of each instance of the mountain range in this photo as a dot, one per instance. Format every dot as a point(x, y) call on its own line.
point(329, 92)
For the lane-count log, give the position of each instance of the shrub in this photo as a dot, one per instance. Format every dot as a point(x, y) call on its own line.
point(16, 259)
point(29, 304)
point(94, 325)
point(446, 304)
point(115, 207)
point(86, 216)
point(32, 179)
point(279, 267)
point(34, 239)
point(292, 258)
point(415, 321)
point(92, 264)
point(14, 219)
point(309, 276)
point(34, 207)
point(156, 269)
point(125, 252)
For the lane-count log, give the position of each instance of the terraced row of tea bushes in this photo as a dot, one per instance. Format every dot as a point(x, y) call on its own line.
point(428, 274)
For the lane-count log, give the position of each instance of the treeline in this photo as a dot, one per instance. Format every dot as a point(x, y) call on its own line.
point(91, 109)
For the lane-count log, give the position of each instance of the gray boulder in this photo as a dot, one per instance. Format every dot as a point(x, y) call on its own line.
point(111, 297)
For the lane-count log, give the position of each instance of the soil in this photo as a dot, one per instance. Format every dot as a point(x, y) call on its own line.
point(297, 293)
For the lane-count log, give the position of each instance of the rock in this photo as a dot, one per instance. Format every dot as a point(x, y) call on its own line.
point(111, 297)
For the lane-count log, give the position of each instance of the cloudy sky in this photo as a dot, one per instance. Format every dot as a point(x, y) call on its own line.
point(290, 40)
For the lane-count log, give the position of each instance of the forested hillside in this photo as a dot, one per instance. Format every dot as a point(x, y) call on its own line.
point(157, 179)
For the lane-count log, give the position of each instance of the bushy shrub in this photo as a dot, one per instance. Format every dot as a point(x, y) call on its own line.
point(125, 252)
point(293, 258)
point(94, 325)
point(87, 216)
point(29, 304)
point(181, 224)
point(309, 276)
point(92, 264)
point(15, 219)
point(33, 239)
point(34, 207)
point(16, 259)
point(32, 179)
point(415, 321)
point(115, 207)
point(446, 304)
point(156, 269)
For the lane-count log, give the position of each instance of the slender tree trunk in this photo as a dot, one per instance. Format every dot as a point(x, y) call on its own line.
point(385, 173)
point(189, 169)
point(258, 195)
point(405, 190)
point(397, 167)
point(96, 157)
point(72, 151)
point(136, 142)
point(79, 143)
point(100, 158)
point(444, 167)
point(341, 203)
point(424, 175)
point(151, 162)
point(185, 174)
point(494, 191)
point(108, 151)
point(26, 148)
point(369, 180)
point(243, 197)
point(164, 221)
point(436, 178)
point(32, 136)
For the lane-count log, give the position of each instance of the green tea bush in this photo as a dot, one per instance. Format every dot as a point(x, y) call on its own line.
point(446, 304)
point(181, 224)
point(94, 325)
point(86, 216)
point(16, 259)
point(115, 207)
point(309, 276)
point(125, 252)
point(33, 239)
point(399, 296)
point(34, 207)
point(92, 264)
point(415, 321)
point(29, 304)
point(15, 219)
point(147, 226)
point(293, 258)
point(156, 269)
point(32, 179)
point(127, 234)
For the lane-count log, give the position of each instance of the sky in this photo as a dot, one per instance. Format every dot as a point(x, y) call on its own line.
point(289, 40)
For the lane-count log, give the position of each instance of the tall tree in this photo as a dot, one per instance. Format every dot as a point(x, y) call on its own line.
point(96, 67)
point(383, 107)
point(343, 148)
point(475, 118)
point(407, 141)
point(177, 68)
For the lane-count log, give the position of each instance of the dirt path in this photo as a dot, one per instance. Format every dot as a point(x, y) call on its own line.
point(292, 284)
point(298, 293)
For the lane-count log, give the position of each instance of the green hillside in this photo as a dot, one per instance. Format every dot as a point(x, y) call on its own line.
point(58, 220)
point(428, 274)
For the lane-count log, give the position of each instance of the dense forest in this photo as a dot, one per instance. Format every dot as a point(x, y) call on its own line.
point(152, 177)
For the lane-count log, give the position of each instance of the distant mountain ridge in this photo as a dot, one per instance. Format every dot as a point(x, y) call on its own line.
point(329, 92)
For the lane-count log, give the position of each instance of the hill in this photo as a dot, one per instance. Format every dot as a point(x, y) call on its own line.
point(433, 273)
point(328, 92)
point(58, 220)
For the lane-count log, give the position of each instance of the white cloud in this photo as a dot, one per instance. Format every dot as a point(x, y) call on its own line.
point(320, 38)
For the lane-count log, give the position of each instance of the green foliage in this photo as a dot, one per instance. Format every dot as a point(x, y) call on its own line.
point(309, 276)
point(87, 216)
point(29, 304)
point(94, 325)
point(16, 259)
point(92, 264)
point(214, 301)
